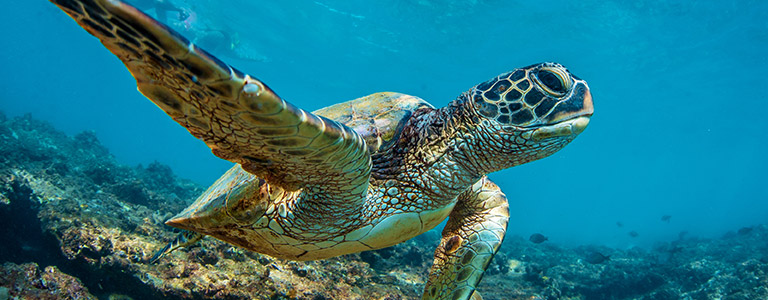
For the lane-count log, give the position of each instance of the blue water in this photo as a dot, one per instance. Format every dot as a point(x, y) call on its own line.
point(679, 88)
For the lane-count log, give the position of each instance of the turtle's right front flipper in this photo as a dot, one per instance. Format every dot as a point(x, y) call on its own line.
point(237, 116)
point(185, 239)
point(472, 236)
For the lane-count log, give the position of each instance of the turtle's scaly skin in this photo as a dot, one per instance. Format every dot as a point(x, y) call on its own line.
point(360, 175)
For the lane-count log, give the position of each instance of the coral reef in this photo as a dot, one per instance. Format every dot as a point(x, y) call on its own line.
point(69, 206)
point(733, 267)
point(28, 281)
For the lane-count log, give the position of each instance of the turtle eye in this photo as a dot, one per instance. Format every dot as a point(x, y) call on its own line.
point(554, 81)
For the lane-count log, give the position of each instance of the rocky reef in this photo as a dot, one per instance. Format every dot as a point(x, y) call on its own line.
point(79, 225)
point(734, 267)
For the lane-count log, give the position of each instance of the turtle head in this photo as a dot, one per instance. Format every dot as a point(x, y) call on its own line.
point(530, 112)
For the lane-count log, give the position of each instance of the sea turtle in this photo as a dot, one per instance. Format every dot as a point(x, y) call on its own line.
point(360, 175)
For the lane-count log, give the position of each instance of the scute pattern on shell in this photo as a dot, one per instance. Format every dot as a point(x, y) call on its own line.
point(377, 118)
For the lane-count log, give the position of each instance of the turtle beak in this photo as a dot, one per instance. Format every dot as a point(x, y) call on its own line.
point(589, 108)
point(573, 118)
point(580, 123)
point(571, 127)
point(579, 104)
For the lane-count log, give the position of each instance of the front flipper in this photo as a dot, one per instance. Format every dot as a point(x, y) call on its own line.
point(237, 116)
point(473, 234)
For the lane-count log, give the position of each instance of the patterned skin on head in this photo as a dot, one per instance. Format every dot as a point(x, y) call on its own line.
point(531, 96)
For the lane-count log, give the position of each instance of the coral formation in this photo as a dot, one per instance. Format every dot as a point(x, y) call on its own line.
point(28, 281)
point(92, 223)
point(733, 267)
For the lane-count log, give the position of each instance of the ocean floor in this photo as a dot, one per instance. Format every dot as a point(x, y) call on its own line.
point(79, 225)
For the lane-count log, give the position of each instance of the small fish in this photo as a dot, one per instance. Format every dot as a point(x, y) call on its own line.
point(633, 234)
point(183, 240)
point(666, 218)
point(597, 258)
point(538, 238)
point(619, 224)
point(745, 230)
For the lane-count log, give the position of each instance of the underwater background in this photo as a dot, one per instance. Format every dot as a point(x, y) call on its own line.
point(678, 142)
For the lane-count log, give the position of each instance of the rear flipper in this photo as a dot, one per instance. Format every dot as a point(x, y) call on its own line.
point(184, 239)
point(473, 234)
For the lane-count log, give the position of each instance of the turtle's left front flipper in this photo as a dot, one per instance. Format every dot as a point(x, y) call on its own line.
point(238, 116)
point(473, 234)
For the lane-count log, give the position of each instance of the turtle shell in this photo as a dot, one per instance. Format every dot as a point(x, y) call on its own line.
point(378, 118)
